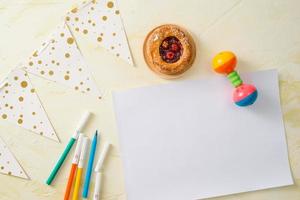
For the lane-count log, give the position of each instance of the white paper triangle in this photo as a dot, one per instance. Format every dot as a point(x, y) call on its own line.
point(100, 20)
point(8, 163)
point(20, 105)
point(61, 61)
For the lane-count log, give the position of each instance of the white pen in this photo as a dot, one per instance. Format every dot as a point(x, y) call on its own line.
point(98, 169)
point(97, 191)
point(102, 157)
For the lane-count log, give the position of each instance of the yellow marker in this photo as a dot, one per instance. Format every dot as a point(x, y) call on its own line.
point(80, 168)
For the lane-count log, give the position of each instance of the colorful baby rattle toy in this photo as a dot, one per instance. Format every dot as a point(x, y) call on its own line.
point(243, 94)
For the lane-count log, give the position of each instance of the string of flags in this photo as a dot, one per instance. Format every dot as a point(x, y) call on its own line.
point(59, 59)
point(20, 105)
point(101, 22)
point(8, 163)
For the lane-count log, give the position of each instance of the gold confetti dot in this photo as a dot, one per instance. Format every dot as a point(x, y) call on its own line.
point(67, 55)
point(110, 4)
point(35, 54)
point(4, 116)
point(53, 48)
point(80, 69)
point(85, 31)
point(118, 55)
point(30, 63)
point(76, 88)
point(70, 40)
point(51, 72)
point(11, 107)
point(41, 133)
point(16, 78)
point(32, 90)
point(24, 84)
point(6, 105)
point(33, 113)
point(67, 77)
point(6, 84)
point(117, 12)
point(34, 127)
point(68, 18)
point(9, 173)
point(21, 99)
point(6, 91)
point(89, 21)
point(81, 83)
point(62, 35)
point(42, 72)
point(77, 29)
point(76, 18)
point(99, 39)
point(21, 115)
point(114, 34)
point(74, 10)
point(39, 62)
point(88, 89)
point(112, 47)
point(104, 18)
point(92, 8)
point(2, 167)
point(52, 61)
point(20, 121)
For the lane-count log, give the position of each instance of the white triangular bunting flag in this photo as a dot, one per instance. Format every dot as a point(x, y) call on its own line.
point(20, 105)
point(101, 21)
point(61, 61)
point(8, 163)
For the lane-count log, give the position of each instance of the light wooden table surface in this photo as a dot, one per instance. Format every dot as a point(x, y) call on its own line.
point(264, 34)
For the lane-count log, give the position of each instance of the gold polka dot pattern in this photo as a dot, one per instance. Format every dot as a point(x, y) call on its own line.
point(62, 62)
point(20, 101)
point(100, 20)
point(8, 163)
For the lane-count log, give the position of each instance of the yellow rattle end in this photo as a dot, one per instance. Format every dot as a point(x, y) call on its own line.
point(224, 62)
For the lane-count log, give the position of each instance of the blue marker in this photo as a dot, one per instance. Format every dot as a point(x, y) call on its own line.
point(90, 167)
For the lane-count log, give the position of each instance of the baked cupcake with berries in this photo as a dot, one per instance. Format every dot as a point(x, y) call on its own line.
point(169, 50)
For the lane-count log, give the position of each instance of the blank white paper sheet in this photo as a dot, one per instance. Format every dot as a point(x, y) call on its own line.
point(187, 140)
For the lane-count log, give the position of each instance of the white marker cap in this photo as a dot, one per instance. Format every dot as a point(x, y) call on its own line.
point(82, 122)
point(97, 190)
point(78, 149)
point(102, 157)
point(83, 152)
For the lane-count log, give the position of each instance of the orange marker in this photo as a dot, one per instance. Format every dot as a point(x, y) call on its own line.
point(74, 167)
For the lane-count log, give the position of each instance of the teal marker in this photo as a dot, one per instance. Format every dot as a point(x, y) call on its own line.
point(60, 161)
point(65, 153)
point(88, 174)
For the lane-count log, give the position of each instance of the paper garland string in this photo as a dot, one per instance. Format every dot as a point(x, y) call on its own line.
point(101, 22)
point(61, 61)
point(8, 163)
point(20, 105)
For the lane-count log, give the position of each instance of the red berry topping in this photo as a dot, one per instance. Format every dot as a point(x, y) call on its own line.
point(170, 49)
point(170, 55)
point(174, 47)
